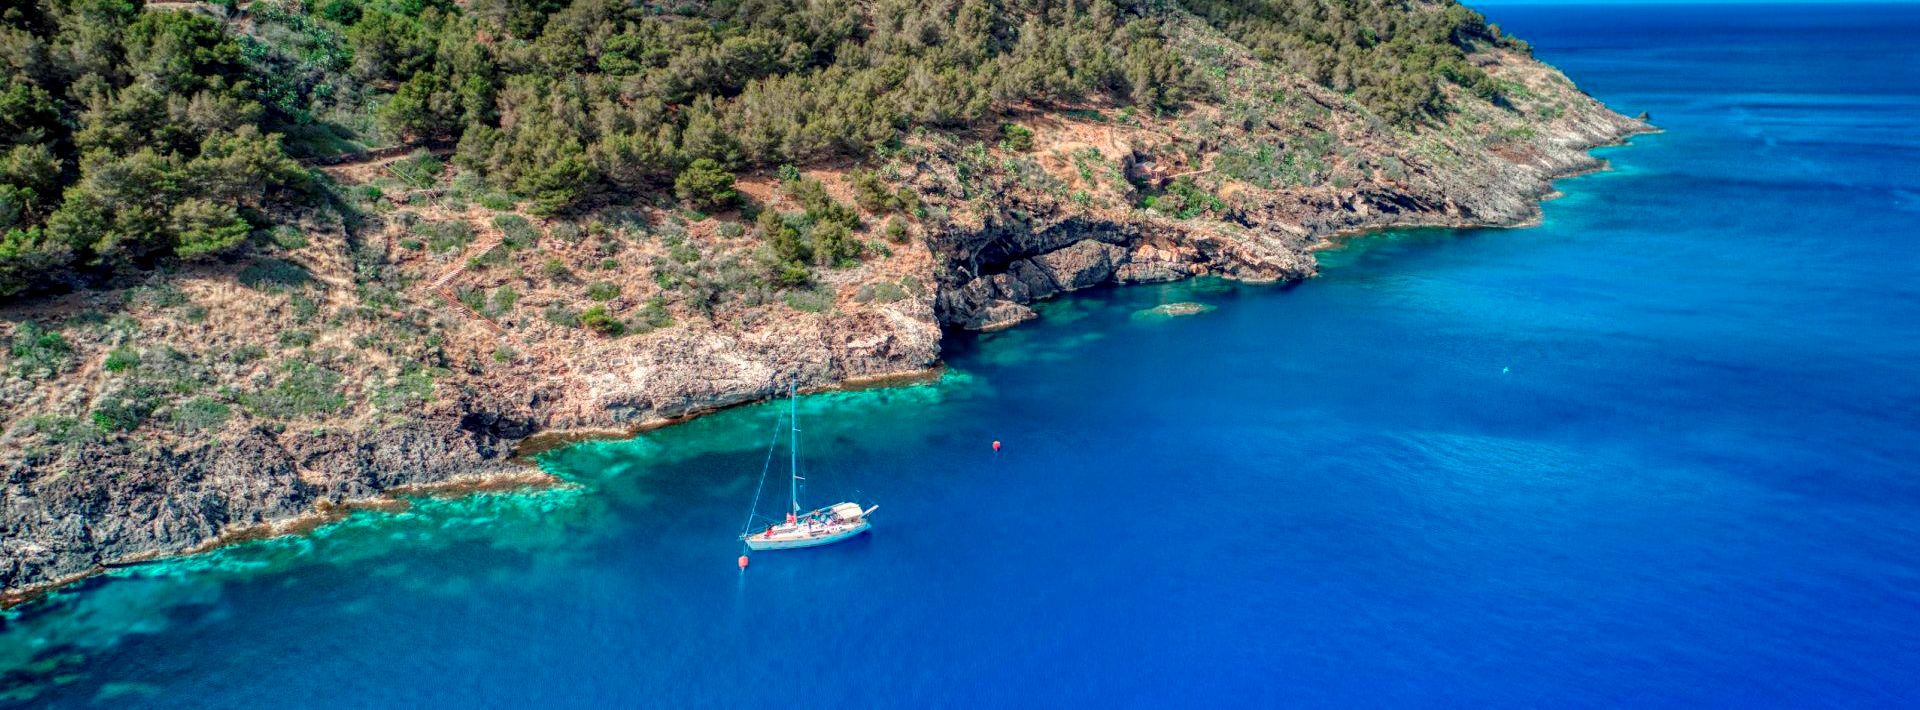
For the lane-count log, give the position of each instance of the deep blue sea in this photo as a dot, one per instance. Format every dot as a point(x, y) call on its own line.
point(1662, 450)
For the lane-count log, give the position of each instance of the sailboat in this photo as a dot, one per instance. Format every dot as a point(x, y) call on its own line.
point(823, 526)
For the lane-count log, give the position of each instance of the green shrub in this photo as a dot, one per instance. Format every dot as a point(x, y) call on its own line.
point(1016, 138)
point(819, 206)
point(304, 309)
point(418, 170)
point(705, 186)
point(501, 302)
point(38, 352)
point(598, 320)
point(517, 232)
point(560, 315)
point(466, 185)
point(344, 12)
point(791, 273)
point(655, 313)
point(409, 390)
point(270, 274)
point(896, 230)
point(880, 292)
point(834, 245)
point(869, 192)
point(246, 353)
point(304, 389)
point(783, 239)
point(120, 415)
point(491, 257)
point(810, 301)
point(873, 195)
point(443, 237)
point(665, 278)
point(471, 298)
point(1184, 199)
point(1269, 167)
point(122, 359)
point(287, 237)
point(603, 290)
point(64, 430)
point(199, 414)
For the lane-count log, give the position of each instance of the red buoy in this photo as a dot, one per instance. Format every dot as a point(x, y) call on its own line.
point(996, 445)
point(743, 562)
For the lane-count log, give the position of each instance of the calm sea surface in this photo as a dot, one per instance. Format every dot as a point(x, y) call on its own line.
point(1662, 450)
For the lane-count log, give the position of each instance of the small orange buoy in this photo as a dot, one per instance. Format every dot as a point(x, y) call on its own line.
point(996, 445)
point(743, 562)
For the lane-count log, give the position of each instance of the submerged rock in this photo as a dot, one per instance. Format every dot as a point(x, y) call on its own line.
point(1172, 310)
point(1003, 314)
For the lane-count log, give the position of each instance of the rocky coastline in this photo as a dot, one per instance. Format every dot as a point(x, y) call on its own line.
point(111, 503)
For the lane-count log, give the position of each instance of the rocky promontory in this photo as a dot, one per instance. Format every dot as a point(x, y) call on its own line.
point(417, 342)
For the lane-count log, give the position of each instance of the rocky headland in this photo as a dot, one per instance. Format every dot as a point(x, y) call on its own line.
point(363, 365)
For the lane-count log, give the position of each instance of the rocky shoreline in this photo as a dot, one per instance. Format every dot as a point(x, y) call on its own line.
point(393, 500)
point(115, 502)
point(549, 439)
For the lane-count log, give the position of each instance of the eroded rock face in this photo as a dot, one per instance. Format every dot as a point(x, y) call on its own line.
point(997, 300)
point(497, 427)
point(131, 505)
point(1080, 265)
point(1016, 269)
point(1035, 247)
point(697, 369)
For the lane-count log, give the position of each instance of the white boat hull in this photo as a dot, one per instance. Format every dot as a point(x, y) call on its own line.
point(799, 539)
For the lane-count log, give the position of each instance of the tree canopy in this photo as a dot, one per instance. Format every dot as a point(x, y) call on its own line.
point(129, 136)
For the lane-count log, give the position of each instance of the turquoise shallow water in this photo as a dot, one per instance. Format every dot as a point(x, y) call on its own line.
point(1657, 451)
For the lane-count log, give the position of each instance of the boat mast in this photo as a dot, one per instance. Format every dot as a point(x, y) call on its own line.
point(793, 418)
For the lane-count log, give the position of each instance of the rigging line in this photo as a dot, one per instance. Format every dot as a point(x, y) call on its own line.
point(764, 468)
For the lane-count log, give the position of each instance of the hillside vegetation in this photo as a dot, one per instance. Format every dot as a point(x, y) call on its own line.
point(142, 138)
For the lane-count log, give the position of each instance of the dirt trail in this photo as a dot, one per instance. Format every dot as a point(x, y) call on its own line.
point(188, 5)
point(442, 287)
point(364, 166)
